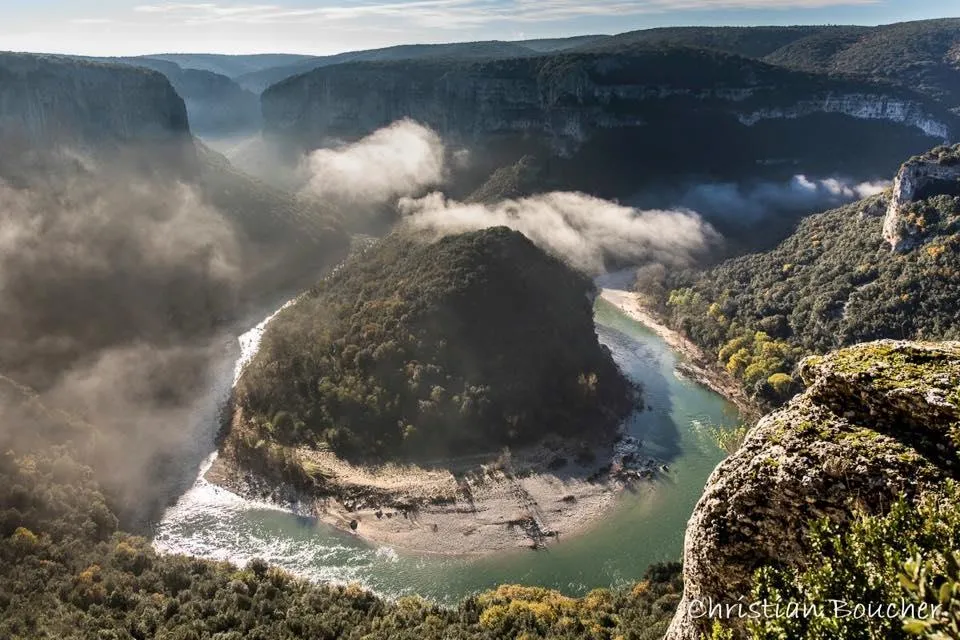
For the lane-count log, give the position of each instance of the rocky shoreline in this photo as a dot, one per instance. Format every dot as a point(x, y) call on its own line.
point(475, 505)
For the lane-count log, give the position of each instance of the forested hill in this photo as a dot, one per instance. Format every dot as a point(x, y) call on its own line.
point(749, 42)
point(468, 343)
point(924, 55)
point(834, 282)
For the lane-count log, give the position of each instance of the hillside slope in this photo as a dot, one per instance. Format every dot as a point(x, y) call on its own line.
point(749, 42)
point(924, 55)
point(834, 282)
point(229, 65)
point(259, 81)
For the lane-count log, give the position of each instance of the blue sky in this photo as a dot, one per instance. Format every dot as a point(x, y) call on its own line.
point(130, 27)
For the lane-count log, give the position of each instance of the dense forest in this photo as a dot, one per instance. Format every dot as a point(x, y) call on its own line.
point(834, 282)
point(921, 55)
point(469, 343)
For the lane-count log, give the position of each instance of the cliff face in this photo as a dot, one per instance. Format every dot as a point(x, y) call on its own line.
point(877, 423)
point(48, 100)
point(217, 105)
point(940, 168)
point(861, 106)
point(570, 98)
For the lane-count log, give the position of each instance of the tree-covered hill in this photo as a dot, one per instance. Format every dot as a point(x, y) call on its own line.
point(924, 55)
point(749, 42)
point(468, 343)
point(834, 282)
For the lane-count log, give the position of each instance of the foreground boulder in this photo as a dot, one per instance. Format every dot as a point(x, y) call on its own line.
point(878, 422)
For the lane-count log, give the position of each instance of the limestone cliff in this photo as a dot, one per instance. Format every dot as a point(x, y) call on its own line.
point(878, 421)
point(217, 105)
point(52, 100)
point(569, 98)
point(937, 170)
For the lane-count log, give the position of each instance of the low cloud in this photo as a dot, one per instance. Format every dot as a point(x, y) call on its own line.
point(98, 260)
point(747, 203)
point(585, 231)
point(112, 288)
point(400, 160)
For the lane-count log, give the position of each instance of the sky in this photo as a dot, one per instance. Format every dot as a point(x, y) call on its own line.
point(320, 27)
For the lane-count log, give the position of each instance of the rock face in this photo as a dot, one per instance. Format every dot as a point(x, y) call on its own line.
point(862, 107)
point(217, 105)
point(50, 100)
point(942, 165)
point(878, 422)
point(569, 98)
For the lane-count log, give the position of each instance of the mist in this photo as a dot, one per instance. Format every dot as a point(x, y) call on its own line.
point(753, 202)
point(93, 260)
point(400, 160)
point(114, 286)
point(587, 232)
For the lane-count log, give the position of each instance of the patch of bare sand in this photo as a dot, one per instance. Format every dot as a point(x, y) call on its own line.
point(468, 505)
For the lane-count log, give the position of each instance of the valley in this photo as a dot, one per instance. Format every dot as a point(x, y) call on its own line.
point(676, 430)
point(552, 338)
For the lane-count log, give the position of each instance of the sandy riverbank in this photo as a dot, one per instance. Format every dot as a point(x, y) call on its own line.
point(697, 365)
point(463, 506)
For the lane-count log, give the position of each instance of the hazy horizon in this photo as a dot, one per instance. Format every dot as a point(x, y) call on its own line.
point(328, 27)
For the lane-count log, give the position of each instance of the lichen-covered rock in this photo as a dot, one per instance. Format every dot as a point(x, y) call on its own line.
point(878, 422)
point(917, 175)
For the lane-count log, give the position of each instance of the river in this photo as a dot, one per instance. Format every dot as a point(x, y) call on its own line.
point(645, 526)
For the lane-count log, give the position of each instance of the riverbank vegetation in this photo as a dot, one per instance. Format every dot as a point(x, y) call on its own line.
point(67, 572)
point(833, 283)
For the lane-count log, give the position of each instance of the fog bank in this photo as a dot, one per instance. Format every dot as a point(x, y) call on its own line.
point(585, 231)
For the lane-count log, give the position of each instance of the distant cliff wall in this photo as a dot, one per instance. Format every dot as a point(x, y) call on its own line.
point(568, 99)
point(51, 100)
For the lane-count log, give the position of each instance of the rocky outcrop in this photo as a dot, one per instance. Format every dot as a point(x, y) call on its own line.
point(917, 175)
point(48, 100)
point(860, 106)
point(878, 422)
point(570, 98)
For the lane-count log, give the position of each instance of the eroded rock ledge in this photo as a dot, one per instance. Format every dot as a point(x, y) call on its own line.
point(937, 170)
point(878, 421)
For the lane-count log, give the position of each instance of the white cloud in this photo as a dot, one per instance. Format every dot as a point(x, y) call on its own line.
point(400, 160)
point(463, 13)
point(585, 231)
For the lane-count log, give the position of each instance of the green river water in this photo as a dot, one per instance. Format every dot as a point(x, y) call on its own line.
point(645, 526)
